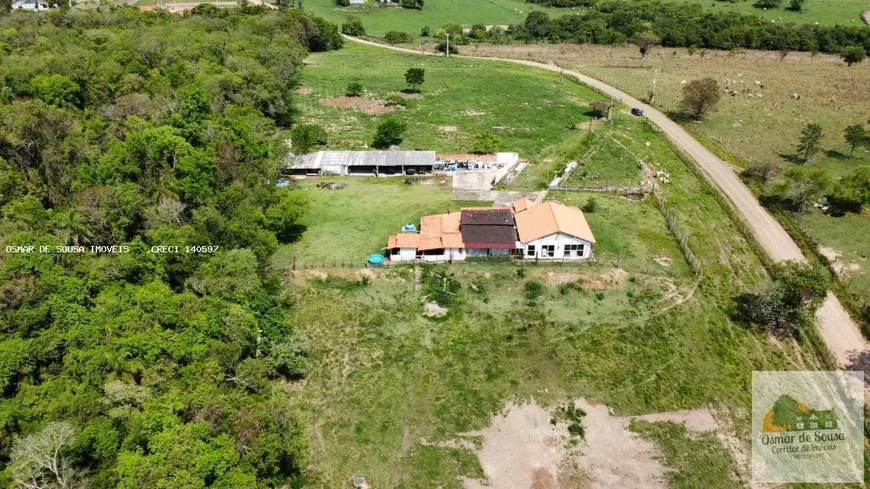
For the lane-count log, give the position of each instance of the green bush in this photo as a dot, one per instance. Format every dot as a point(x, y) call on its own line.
point(307, 136)
point(354, 89)
point(398, 37)
point(533, 289)
point(389, 133)
point(590, 206)
point(353, 26)
point(396, 101)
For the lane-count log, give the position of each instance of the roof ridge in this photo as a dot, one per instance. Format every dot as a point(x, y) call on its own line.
point(555, 218)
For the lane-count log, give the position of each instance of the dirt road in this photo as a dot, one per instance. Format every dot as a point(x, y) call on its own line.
point(841, 334)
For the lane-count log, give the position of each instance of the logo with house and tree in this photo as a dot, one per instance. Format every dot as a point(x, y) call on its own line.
point(788, 414)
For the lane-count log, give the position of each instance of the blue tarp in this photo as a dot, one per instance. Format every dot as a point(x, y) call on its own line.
point(283, 183)
point(376, 259)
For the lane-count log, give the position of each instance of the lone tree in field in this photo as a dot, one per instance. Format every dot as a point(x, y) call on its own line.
point(853, 54)
point(810, 140)
point(415, 77)
point(856, 136)
point(645, 41)
point(389, 133)
point(700, 97)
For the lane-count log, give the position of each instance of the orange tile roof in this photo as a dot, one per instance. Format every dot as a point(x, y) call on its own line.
point(549, 218)
point(404, 240)
point(440, 231)
point(522, 205)
point(468, 157)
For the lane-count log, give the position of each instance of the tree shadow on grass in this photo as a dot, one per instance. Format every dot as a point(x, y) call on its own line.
point(832, 153)
point(680, 116)
point(792, 158)
point(292, 234)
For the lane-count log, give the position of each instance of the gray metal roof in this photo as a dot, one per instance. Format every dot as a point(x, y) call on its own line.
point(322, 159)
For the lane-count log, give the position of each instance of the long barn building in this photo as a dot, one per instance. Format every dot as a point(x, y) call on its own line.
point(363, 163)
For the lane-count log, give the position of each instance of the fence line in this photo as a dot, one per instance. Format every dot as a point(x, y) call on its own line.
point(683, 239)
point(612, 189)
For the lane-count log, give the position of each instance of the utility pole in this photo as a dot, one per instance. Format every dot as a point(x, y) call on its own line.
point(448, 45)
point(652, 98)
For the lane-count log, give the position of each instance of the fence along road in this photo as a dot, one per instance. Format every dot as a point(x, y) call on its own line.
point(841, 334)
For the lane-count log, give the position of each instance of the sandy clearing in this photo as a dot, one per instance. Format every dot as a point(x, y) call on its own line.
point(367, 105)
point(522, 449)
point(519, 447)
point(841, 334)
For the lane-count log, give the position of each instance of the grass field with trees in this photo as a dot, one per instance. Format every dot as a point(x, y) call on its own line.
point(528, 111)
point(756, 126)
point(389, 383)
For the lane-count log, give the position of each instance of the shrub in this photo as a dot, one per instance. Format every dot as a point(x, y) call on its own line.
point(307, 136)
point(591, 205)
point(354, 89)
point(853, 54)
point(485, 143)
point(533, 289)
point(397, 37)
point(789, 302)
point(396, 101)
point(426, 31)
point(442, 48)
point(353, 26)
point(600, 296)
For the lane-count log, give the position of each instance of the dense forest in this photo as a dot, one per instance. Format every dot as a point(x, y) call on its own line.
point(126, 365)
point(684, 25)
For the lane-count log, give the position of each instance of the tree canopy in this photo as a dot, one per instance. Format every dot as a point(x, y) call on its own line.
point(133, 366)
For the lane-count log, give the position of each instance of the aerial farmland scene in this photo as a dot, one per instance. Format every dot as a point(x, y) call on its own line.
point(434, 244)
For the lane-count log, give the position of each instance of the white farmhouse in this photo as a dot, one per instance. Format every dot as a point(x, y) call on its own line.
point(551, 231)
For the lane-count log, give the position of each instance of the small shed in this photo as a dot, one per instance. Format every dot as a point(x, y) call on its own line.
point(600, 109)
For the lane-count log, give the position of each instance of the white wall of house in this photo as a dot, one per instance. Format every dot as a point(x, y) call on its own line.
point(455, 254)
point(553, 247)
point(486, 252)
point(404, 254)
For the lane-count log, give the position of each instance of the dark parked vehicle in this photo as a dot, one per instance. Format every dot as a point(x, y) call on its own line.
point(637, 111)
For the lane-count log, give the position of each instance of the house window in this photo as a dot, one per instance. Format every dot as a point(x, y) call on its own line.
point(800, 426)
point(574, 250)
point(828, 424)
point(548, 250)
point(814, 425)
point(530, 251)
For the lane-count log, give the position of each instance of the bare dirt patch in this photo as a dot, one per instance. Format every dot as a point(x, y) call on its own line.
point(408, 95)
point(473, 113)
point(614, 277)
point(304, 90)
point(433, 310)
point(663, 260)
point(561, 278)
point(448, 129)
point(521, 449)
point(830, 253)
point(367, 105)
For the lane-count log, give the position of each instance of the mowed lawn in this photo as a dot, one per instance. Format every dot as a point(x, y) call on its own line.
point(529, 110)
point(347, 225)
